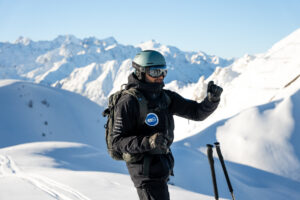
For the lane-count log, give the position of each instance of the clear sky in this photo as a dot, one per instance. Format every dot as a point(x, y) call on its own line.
point(226, 28)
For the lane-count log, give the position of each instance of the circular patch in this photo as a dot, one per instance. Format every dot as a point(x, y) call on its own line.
point(151, 119)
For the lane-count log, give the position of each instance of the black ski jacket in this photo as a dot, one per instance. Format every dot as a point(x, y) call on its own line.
point(131, 136)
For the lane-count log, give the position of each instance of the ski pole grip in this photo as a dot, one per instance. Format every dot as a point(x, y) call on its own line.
point(217, 144)
point(209, 151)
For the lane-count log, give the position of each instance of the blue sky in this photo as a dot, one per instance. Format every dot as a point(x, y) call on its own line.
point(228, 28)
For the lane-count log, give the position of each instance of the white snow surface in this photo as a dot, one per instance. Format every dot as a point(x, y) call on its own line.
point(52, 140)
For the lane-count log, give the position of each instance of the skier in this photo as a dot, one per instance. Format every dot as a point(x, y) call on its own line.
point(148, 143)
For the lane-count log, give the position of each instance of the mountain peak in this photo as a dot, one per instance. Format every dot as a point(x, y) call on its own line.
point(150, 44)
point(23, 40)
point(110, 41)
point(67, 39)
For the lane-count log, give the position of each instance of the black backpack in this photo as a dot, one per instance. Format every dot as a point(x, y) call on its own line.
point(109, 112)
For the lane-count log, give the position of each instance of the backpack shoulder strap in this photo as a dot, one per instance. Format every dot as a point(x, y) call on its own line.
point(143, 103)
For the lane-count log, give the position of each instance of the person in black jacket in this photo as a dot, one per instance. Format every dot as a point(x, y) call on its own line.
point(150, 141)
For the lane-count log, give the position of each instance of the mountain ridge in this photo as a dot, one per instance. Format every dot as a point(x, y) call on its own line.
point(56, 62)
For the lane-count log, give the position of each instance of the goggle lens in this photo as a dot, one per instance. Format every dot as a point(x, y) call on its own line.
point(155, 72)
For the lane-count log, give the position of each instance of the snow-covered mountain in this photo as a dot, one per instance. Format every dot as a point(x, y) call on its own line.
point(93, 67)
point(52, 140)
point(250, 81)
point(259, 108)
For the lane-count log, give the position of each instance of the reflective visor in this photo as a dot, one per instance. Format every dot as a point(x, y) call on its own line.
point(157, 71)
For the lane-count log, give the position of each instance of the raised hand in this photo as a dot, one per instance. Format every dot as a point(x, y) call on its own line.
point(213, 92)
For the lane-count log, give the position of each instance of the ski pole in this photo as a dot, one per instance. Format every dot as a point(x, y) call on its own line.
point(217, 144)
point(212, 169)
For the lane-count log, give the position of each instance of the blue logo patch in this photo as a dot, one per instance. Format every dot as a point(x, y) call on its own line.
point(151, 119)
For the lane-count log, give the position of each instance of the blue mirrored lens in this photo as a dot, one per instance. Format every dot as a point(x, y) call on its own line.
point(157, 71)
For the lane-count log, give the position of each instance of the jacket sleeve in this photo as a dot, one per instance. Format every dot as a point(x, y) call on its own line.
point(124, 136)
point(191, 109)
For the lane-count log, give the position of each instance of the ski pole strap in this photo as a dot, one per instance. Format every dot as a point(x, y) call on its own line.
point(212, 169)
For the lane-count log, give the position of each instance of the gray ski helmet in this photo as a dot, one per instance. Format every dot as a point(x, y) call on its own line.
point(148, 58)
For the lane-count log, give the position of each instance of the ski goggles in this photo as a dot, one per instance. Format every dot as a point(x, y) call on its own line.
point(156, 72)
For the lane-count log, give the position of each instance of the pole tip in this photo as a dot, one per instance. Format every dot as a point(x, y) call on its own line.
point(209, 145)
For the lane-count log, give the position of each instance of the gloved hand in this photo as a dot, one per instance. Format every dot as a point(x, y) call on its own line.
point(213, 92)
point(158, 140)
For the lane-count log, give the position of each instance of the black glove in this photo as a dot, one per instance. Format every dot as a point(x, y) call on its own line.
point(158, 141)
point(213, 92)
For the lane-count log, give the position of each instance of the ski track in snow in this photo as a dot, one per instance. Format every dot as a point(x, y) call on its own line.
point(56, 190)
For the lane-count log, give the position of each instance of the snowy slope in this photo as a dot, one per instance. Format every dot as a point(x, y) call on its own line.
point(31, 112)
point(32, 167)
point(262, 142)
point(269, 139)
point(65, 170)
